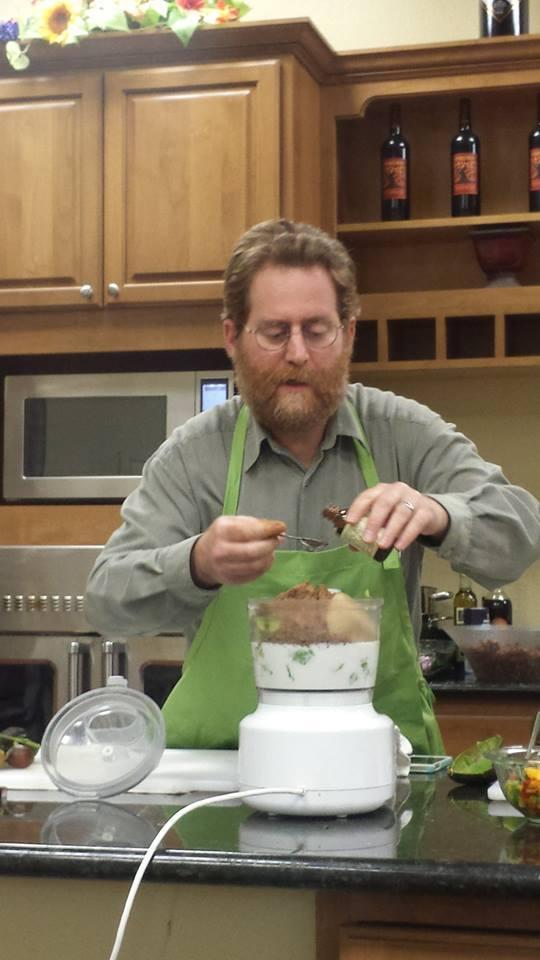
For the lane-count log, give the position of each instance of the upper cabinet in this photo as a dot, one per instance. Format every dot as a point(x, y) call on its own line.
point(51, 190)
point(131, 186)
point(437, 290)
point(192, 158)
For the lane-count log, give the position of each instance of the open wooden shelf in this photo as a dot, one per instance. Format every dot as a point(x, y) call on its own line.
point(449, 329)
point(452, 225)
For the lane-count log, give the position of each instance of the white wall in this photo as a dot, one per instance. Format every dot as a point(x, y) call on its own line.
point(358, 24)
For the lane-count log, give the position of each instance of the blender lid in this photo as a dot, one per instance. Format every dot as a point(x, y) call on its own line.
point(103, 742)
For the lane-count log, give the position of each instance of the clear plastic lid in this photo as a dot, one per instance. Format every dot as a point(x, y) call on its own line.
point(103, 742)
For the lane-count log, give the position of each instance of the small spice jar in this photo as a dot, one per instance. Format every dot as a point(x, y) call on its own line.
point(353, 533)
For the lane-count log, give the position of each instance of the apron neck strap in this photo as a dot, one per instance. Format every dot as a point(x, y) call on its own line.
point(236, 463)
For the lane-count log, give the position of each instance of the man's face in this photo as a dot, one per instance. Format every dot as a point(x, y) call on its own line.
point(295, 388)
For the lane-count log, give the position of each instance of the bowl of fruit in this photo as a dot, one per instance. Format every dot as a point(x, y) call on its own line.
point(518, 773)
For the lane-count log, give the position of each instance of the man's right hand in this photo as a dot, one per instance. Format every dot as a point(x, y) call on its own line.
point(234, 550)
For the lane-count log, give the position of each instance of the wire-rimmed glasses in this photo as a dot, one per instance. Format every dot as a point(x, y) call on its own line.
point(318, 333)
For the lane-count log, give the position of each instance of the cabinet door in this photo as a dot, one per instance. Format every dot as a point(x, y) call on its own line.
point(50, 191)
point(191, 161)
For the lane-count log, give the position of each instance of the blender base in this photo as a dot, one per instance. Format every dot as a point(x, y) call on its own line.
point(335, 747)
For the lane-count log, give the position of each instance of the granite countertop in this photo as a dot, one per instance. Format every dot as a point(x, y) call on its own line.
point(438, 837)
point(469, 685)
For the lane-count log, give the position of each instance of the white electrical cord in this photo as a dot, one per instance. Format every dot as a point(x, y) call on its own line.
point(136, 882)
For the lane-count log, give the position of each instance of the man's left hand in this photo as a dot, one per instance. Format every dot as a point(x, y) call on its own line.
point(397, 515)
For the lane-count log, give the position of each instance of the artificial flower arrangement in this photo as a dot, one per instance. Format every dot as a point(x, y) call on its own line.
point(66, 21)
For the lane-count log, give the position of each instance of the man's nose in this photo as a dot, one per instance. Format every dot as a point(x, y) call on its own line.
point(296, 350)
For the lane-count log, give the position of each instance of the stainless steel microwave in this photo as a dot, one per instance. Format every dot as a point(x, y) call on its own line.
point(87, 437)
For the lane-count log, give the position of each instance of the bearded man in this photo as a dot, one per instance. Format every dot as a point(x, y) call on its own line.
point(196, 543)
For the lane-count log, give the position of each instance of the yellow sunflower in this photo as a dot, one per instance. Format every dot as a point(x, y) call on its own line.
point(58, 19)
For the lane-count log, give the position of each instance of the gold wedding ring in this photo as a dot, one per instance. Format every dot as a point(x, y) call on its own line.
point(407, 503)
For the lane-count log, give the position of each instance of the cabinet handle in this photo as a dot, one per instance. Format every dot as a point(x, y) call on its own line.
point(87, 291)
point(113, 290)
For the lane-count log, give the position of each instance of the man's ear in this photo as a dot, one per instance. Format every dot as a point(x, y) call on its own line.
point(229, 337)
point(350, 325)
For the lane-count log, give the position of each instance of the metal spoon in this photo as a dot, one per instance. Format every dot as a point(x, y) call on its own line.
point(533, 737)
point(310, 542)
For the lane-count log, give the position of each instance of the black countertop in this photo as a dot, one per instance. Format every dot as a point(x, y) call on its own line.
point(438, 837)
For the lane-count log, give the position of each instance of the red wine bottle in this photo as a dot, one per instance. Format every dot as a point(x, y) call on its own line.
point(504, 18)
point(465, 166)
point(534, 163)
point(395, 159)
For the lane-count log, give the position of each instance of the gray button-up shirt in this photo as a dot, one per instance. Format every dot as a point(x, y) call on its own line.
point(141, 582)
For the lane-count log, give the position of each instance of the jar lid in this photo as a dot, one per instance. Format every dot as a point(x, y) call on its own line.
point(103, 742)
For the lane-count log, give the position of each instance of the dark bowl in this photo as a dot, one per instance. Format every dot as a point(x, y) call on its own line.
point(501, 251)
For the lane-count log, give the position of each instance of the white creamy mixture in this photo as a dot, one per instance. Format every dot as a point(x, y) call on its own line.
point(319, 666)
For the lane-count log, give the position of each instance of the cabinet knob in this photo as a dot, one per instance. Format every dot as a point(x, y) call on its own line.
point(87, 291)
point(113, 289)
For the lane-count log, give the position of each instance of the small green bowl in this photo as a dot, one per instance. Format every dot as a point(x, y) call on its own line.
point(519, 779)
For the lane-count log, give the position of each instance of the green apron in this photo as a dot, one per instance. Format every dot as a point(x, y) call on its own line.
point(217, 688)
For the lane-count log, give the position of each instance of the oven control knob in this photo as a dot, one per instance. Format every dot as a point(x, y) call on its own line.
point(7, 603)
point(43, 602)
point(55, 603)
point(67, 604)
point(31, 602)
point(79, 603)
point(19, 602)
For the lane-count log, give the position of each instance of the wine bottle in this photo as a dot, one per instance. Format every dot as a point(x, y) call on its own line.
point(465, 166)
point(503, 18)
point(395, 160)
point(465, 597)
point(500, 608)
point(534, 163)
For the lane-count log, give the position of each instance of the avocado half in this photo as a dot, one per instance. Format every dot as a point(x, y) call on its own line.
point(474, 764)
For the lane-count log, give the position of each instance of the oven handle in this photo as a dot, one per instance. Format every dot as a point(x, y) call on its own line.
point(111, 649)
point(74, 669)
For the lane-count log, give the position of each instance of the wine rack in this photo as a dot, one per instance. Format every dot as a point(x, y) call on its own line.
point(424, 297)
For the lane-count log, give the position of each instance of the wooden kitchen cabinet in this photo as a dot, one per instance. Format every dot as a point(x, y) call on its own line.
point(189, 159)
point(425, 300)
point(192, 159)
point(50, 190)
point(131, 186)
point(366, 941)
point(468, 717)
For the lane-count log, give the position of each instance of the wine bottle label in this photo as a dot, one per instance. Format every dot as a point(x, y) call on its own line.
point(465, 174)
point(394, 171)
point(534, 172)
point(500, 9)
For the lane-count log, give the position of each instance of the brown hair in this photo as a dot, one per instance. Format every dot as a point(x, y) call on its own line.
point(288, 244)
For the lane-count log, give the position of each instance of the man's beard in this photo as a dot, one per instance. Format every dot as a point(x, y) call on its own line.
point(295, 411)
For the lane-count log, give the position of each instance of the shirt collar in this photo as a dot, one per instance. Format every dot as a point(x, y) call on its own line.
point(342, 424)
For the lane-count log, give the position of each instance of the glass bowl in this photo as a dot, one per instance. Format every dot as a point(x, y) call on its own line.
point(519, 779)
point(500, 655)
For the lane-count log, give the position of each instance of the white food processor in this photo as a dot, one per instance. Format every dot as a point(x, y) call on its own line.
point(315, 727)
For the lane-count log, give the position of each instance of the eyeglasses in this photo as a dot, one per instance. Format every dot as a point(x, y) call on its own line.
point(274, 334)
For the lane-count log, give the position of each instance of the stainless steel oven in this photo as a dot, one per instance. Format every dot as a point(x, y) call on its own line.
point(48, 651)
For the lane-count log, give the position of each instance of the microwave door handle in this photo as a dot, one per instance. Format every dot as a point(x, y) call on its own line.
point(111, 649)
